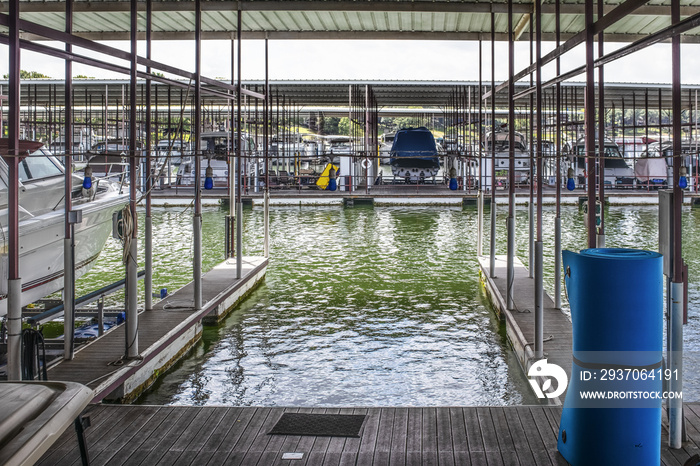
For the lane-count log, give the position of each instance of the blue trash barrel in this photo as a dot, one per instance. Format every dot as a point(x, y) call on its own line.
point(616, 299)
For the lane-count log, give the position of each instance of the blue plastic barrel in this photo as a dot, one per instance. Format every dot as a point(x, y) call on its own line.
point(616, 299)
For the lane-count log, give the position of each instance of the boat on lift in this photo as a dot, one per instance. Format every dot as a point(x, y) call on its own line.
point(617, 172)
point(41, 221)
point(414, 155)
point(501, 140)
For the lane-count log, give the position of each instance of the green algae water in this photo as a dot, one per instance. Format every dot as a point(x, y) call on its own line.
point(364, 306)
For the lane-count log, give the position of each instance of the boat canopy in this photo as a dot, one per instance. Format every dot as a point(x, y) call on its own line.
point(414, 142)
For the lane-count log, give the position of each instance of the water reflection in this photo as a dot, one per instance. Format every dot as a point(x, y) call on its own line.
point(369, 307)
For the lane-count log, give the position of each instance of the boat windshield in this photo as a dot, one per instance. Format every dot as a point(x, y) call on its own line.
point(610, 151)
point(37, 166)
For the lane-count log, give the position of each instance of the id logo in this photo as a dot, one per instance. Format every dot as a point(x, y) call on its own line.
point(548, 371)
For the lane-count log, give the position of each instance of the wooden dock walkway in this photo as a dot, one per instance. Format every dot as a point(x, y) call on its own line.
point(165, 334)
point(490, 436)
point(520, 323)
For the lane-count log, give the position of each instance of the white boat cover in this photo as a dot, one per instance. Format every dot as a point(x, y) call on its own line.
point(650, 169)
point(34, 415)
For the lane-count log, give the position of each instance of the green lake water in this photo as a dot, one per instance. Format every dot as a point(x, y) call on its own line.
point(366, 306)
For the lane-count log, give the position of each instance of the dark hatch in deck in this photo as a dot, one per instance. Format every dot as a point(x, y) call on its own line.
point(322, 425)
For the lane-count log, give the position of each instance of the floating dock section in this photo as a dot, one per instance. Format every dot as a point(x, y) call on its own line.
point(166, 333)
point(520, 322)
point(503, 435)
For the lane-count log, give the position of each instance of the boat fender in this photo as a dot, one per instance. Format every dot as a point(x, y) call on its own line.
point(453, 179)
point(332, 182)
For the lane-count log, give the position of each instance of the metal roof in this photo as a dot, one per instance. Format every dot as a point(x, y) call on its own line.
point(341, 19)
point(435, 94)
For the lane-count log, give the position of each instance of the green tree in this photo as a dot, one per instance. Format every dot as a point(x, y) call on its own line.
point(344, 126)
point(28, 75)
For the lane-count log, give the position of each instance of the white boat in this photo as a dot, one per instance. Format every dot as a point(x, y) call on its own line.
point(617, 172)
point(522, 156)
point(41, 227)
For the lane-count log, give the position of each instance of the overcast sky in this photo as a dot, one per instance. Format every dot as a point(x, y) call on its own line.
point(374, 60)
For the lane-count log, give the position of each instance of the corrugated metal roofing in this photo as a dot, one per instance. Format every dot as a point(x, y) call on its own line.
point(434, 94)
point(341, 19)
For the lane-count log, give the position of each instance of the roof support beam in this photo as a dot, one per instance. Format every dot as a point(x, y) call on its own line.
point(599, 26)
point(338, 35)
point(324, 5)
point(280, 5)
point(661, 36)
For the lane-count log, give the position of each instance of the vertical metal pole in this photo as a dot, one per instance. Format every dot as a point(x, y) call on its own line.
point(480, 195)
point(531, 201)
point(14, 282)
point(492, 233)
point(600, 237)
point(589, 104)
point(267, 163)
point(231, 217)
point(510, 277)
point(239, 206)
point(148, 243)
point(68, 242)
point(558, 172)
point(132, 313)
point(197, 128)
point(675, 411)
point(539, 246)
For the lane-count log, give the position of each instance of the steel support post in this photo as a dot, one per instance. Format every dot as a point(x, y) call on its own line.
point(266, 152)
point(132, 313)
point(197, 218)
point(492, 232)
point(600, 234)
point(68, 242)
point(148, 224)
point(589, 104)
point(558, 171)
point(539, 271)
point(675, 407)
point(239, 205)
point(531, 200)
point(510, 272)
point(480, 245)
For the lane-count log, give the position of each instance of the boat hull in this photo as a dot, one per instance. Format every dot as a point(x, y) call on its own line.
point(42, 242)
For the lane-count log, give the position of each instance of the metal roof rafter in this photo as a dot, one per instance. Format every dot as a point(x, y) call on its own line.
point(599, 26)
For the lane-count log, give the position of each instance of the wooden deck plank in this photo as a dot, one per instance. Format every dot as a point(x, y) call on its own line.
point(241, 450)
point(368, 441)
point(332, 458)
point(488, 433)
point(414, 437)
point(127, 435)
point(398, 436)
point(385, 430)
point(460, 443)
point(471, 420)
point(547, 433)
point(520, 443)
point(534, 440)
point(348, 458)
point(167, 442)
point(503, 436)
point(444, 433)
point(238, 428)
point(154, 423)
point(190, 440)
point(429, 430)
